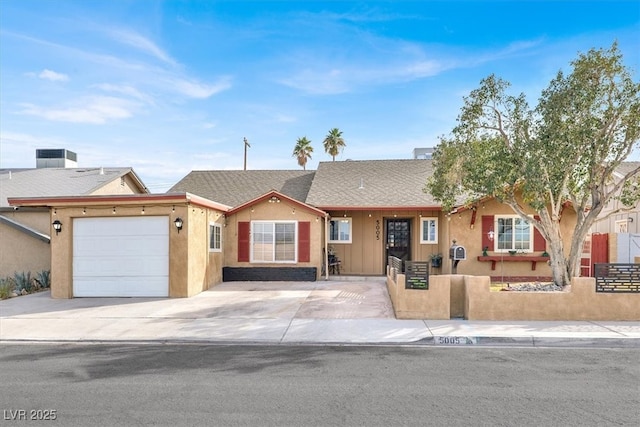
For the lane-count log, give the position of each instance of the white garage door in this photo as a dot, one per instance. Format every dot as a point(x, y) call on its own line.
point(121, 257)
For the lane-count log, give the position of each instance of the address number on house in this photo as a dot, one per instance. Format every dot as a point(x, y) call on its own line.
point(454, 340)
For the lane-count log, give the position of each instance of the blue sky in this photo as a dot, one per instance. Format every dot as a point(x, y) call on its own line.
point(173, 86)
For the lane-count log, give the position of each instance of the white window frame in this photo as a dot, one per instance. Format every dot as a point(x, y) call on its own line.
point(274, 261)
point(347, 220)
point(215, 226)
point(423, 221)
point(496, 240)
point(622, 226)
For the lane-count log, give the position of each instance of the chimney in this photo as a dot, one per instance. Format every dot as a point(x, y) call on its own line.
point(56, 158)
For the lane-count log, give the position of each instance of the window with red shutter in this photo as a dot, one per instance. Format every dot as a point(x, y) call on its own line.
point(244, 243)
point(539, 243)
point(488, 233)
point(304, 241)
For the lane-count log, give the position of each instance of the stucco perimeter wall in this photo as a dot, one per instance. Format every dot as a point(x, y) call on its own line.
point(449, 294)
point(433, 303)
point(20, 252)
point(580, 302)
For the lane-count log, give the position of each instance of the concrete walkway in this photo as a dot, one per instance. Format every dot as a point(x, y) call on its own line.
point(325, 312)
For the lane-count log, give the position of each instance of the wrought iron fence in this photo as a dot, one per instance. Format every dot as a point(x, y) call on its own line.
point(617, 278)
point(396, 265)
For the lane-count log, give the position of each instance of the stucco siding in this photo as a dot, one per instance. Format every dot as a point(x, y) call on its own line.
point(20, 252)
point(265, 211)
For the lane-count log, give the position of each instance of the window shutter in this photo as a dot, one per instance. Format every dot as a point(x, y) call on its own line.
point(539, 244)
point(304, 241)
point(487, 225)
point(244, 243)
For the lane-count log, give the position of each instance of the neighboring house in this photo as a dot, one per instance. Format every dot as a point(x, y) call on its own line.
point(616, 236)
point(214, 226)
point(26, 231)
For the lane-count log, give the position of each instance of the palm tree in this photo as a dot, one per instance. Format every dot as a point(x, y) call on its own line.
point(302, 151)
point(334, 143)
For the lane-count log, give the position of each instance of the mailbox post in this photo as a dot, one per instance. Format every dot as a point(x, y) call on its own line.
point(456, 254)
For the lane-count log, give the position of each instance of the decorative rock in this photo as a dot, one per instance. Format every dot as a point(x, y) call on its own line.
point(535, 287)
point(24, 292)
point(14, 294)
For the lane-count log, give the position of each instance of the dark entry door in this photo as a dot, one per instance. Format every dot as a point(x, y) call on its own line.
point(398, 242)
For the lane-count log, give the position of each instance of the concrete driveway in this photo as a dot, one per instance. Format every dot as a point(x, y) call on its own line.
point(231, 311)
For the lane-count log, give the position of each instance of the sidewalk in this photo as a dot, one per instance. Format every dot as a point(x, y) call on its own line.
point(315, 313)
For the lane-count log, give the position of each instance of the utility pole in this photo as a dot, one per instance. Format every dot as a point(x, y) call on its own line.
point(246, 144)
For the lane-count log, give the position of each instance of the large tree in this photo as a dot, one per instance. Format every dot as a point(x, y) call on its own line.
point(302, 151)
point(560, 155)
point(334, 143)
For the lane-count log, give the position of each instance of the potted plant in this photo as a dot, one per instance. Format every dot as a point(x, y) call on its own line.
point(436, 260)
point(485, 251)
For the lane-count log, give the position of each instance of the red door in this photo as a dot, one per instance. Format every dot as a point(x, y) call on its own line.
point(599, 249)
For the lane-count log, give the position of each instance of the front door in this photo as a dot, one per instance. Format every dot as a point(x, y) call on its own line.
point(398, 241)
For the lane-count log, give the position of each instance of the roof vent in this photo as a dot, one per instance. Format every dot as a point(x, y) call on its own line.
point(56, 158)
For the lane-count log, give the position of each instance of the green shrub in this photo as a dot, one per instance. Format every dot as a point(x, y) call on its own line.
point(23, 281)
point(7, 285)
point(43, 278)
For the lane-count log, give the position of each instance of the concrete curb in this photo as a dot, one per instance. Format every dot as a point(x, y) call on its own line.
point(469, 342)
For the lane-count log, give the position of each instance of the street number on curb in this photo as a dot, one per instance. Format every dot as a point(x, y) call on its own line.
point(454, 340)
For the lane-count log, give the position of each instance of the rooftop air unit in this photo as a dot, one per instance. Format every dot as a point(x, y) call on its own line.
point(56, 158)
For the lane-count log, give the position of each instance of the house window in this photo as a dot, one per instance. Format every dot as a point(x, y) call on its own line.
point(273, 241)
point(340, 230)
point(429, 230)
point(513, 234)
point(215, 238)
point(622, 226)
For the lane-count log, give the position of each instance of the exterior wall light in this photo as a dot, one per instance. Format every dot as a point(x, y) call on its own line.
point(274, 199)
point(178, 223)
point(57, 225)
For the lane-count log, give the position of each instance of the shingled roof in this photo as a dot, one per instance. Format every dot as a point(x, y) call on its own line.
point(372, 184)
point(44, 182)
point(626, 167)
point(235, 187)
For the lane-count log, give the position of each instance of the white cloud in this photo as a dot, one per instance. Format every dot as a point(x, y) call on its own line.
point(93, 110)
point(125, 90)
point(195, 89)
point(137, 41)
point(53, 76)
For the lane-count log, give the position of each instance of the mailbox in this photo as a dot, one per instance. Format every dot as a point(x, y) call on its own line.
point(457, 253)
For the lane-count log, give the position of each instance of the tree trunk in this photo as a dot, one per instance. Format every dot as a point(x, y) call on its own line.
point(560, 272)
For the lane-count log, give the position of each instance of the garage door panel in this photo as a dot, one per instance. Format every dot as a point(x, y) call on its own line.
point(118, 267)
point(127, 226)
point(118, 287)
point(121, 245)
point(121, 256)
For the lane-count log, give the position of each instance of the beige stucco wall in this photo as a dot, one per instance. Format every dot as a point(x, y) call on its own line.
point(580, 302)
point(192, 268)
point(442, 301)
point(20, 252)
point(433, 303)
point(265, 211)
point(124, 185)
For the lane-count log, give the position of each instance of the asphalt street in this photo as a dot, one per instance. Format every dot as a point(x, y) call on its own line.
point(282, 385)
